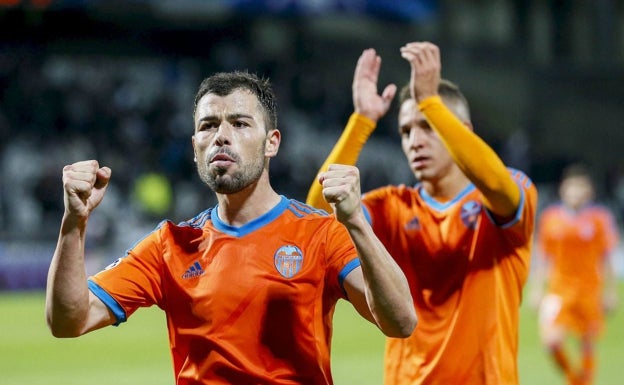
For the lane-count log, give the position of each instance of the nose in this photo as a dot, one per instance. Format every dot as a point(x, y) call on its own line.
point(223, 134)
point(417, 137)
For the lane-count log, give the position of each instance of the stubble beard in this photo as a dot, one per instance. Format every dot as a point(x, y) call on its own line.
point(221, 182)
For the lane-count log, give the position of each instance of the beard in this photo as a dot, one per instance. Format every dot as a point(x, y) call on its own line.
point(223, 180)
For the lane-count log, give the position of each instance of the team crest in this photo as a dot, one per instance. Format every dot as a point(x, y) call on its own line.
point(470, 214)
point(288, 260)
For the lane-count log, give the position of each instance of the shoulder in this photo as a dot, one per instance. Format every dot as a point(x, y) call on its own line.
point(302, 220)
point(552, 211)
point(389, 192)
point(303, 210)
point(301, 215)
point(184, 231)
point(198, 221)
point(602, 211)
point(520, 177)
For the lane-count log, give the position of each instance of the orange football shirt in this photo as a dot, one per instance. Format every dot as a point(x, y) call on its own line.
point(466, 274)
point(244, 305)
point(576, 244)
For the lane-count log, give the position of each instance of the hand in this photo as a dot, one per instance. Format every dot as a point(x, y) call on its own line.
point(424, 59)
point(341, 189)
point(366, 101)
point(84, 185)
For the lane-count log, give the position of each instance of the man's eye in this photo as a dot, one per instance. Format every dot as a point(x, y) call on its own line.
point(207, 126)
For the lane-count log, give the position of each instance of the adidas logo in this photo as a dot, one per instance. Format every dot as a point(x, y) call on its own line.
point(413, 224)
point(194, 271)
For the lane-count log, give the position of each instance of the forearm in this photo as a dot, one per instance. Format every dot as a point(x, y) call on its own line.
point(475, 158)
point(345, 151)
point(67, 294)
point(386, 288)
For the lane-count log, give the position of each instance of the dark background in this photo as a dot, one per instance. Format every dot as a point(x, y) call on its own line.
point(115, 81)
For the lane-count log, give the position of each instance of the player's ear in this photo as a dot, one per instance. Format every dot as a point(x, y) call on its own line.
point(272, 143)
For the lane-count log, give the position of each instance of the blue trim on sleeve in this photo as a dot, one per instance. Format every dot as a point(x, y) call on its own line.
point(349, 267)
point(109, 301)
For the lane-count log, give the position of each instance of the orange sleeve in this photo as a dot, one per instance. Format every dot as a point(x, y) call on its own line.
point(475, 158)
point(346, 151)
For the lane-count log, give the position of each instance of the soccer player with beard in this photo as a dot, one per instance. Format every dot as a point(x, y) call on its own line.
point(249, 286)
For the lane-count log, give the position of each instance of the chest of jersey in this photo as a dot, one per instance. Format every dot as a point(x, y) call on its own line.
point(234, 281)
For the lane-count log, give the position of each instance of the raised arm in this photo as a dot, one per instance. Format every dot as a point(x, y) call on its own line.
point(378, 290)
point(369, 107)
point(71, 309)
point(475, 158)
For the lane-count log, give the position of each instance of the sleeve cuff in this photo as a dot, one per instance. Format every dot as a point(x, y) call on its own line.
point(109, 301)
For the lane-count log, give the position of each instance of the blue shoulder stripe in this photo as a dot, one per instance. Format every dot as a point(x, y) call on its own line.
point(520, 177)
point(199, 220)
point(299, 208)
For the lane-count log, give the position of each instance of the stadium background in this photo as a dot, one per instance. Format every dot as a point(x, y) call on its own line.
point(115, 80)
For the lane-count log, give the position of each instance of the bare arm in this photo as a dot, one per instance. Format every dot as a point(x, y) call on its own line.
point(379, 290)
point(71, 309)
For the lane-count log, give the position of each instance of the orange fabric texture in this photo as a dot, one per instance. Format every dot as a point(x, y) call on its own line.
point(466, 272)
point(466, 275)
point(246, 305)
point(576, 245)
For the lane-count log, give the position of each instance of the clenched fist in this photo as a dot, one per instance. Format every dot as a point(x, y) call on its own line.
point(84, 185)
point(341, 189)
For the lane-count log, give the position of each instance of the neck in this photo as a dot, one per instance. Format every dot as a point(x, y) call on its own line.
point(448, 186)
point(238, 208)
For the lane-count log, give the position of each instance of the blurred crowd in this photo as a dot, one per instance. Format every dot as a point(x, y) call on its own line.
point(130, 107)
point(134, 114)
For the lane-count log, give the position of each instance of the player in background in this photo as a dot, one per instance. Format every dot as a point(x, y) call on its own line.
point(462, 234)
point(574, 282)
point(249, 286)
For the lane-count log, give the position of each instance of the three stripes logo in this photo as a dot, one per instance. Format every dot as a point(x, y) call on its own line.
point(194, 271)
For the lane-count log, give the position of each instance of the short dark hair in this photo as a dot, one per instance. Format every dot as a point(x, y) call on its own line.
point(224, 83)
point(450, 94)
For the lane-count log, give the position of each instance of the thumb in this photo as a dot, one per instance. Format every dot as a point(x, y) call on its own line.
point(388, 94)
point(102, 177)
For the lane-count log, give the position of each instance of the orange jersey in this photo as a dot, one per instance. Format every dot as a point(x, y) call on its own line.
point(244, 305)
point(466, 274)
point(576, 245)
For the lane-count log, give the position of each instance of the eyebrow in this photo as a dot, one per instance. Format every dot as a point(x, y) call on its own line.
point(228, 117)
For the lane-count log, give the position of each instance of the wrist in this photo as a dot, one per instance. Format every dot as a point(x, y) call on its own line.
point(363, 120)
